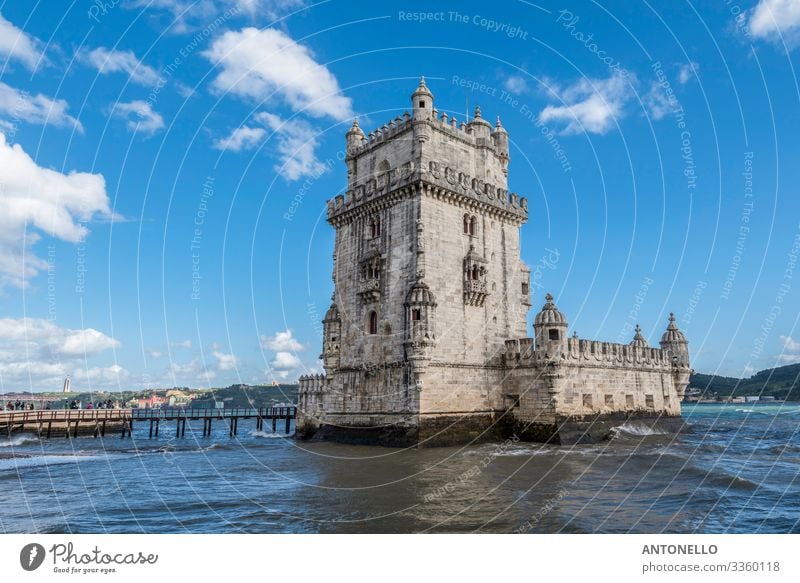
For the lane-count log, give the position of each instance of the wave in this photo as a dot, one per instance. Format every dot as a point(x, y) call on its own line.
point(637, 430)
point(15, 463)
point(18, 440)
point(269, 434)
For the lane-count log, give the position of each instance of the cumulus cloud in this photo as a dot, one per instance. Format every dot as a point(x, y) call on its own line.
point(16, 45)
point(140, 117)
point(38, 109)
point(285, 361)
point(38, 354)
point(791, 350)
point(33, 197)
point(774, 20)
point(687, 72)
point(265, 64)
point(112, 61)
point(281, 341)
point(590, 105)
point(296, 144)
point(226, 361)
point(516, 85)
point(241, 138)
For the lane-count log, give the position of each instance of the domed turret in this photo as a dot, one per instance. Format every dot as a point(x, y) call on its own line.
point(422, 101)
point(550, 328)
point(638, 339)
point(479, 126)
point(674, 341)
point(354, 137)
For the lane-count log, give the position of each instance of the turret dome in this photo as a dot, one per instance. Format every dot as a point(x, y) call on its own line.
point(638, 339)
point(672, 334)
point(550, 314)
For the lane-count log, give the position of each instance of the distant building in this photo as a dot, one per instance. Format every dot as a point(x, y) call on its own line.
point(67, 384)
point(425, 339)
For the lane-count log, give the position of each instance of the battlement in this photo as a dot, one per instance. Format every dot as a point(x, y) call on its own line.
point(588, 352)
point(312, 384)
point(476, 132)
point(440, 180)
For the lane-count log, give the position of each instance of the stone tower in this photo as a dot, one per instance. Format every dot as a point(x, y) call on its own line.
point(427, 272)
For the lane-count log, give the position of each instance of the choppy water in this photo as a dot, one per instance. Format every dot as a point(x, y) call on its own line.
point(737, 471)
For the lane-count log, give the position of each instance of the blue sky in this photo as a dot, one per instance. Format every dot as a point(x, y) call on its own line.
point(164, 167)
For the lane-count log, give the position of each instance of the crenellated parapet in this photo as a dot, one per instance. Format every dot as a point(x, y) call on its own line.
point(580, 352)
point(314, 384)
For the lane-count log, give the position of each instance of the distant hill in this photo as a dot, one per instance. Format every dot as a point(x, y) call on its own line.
point(782, 383)
point(247, 396)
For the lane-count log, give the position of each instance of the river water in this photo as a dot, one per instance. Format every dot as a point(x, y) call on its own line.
point(737, 470)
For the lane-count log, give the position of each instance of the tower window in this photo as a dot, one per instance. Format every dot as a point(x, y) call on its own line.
point(466, 224)
point(473, 226)
point(525, 288)
point(375, 227)
point(372, 324)
point(416, 314)
point(553, 334)
point(422, 104)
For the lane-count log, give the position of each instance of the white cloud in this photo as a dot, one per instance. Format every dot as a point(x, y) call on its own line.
point(33, 197)
point(285, 361)
point(103, 375)
point(37, 354)
point(515, 85)
point(15, 44)
point(687, 72)
point(242, 138)
point(111, 61)
point(263, 64)
point(185, 344)
point(282, 341)
point(140, 117)
point(39, 109)
point(790, 344)
point(226, 361)
point(659, 104)
point(296, 146)
point(590, 105)
point(153, 353)
point(775, 20)
point(46, 338)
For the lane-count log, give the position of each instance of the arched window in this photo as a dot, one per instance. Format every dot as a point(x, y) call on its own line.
point(416, 314)
point(473, 226)
point(375, 227)
point(466, 224)
point(372, 323)
point(475, 273)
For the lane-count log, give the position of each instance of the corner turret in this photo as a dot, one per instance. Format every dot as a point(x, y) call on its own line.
point(550, 328)
point(675, 342)
point(422, 101)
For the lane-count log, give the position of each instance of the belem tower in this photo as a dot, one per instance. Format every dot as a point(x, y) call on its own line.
point(425, 341)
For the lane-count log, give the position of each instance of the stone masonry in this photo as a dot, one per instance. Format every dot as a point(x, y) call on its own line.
point(424, 342)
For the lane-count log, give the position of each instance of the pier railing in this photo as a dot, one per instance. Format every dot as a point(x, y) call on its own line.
point(96, 419)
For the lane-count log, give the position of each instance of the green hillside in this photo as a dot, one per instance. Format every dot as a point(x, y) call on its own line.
point(782, 383)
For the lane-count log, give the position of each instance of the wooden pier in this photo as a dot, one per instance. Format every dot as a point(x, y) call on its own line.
point(72, 422)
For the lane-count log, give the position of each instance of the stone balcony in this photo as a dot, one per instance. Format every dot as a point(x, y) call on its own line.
point(369, 290)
